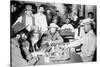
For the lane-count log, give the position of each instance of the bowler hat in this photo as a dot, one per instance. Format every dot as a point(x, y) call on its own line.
point(28, 7)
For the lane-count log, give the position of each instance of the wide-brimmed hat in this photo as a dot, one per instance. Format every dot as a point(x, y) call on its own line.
point(86, 21)
point(53, 25)
point(18, 28)
point(28, 7)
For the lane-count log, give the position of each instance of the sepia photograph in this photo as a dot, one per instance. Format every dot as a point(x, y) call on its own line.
point(49, 33)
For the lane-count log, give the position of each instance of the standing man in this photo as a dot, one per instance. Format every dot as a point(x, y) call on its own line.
point(75, 17)
point(40, 20)
point(91, 17)
point(27, 19)
point(74, 20)
point(49, 16)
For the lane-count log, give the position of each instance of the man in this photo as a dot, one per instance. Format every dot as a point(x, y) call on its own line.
point(27, 19)
point(68, 26)
point(54, 22)
point(91, 16)
point(16, 56)
point(88, 41)
point(40, 20)
point(52, 37)
point(17, 59)
point(49, 16)
point(75, 17)
point(35, 36)
point(58, 16)
point(24, 46)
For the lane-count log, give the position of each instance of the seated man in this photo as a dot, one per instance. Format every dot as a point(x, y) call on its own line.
point(35, 36)
point(24, 46)
point(68, 26)
point(16, 56)
point(88, 41)
point(16, 53)
point(79, 31)
point(52, 36)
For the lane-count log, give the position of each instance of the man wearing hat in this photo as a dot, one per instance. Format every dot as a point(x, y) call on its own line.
point(20, 52)
point(88, 41)
point(52, 37)
point(91, 18)
point(27, 19)
point(80, 30)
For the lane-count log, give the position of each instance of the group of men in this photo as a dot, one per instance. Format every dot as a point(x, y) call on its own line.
point(38, 24)
point(34, 26)
point(31, 20)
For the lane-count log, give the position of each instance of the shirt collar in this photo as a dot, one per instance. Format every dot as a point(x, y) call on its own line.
point(90, 32)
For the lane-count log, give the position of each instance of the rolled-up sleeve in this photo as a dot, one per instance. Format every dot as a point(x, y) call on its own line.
point(92, 46)
point(76, 43)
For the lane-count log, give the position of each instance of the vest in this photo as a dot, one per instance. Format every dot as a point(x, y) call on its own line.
point(24, 20)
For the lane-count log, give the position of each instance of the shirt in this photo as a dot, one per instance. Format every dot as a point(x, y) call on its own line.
point(41, 22)
point(28, 22)
point(67, 26)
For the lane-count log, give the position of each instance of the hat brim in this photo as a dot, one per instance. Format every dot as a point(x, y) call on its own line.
point(28, 9)
point(51, 27)
point(18, 31)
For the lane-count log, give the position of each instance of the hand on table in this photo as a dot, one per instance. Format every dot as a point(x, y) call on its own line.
point(66, 46)
point(50, 42)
